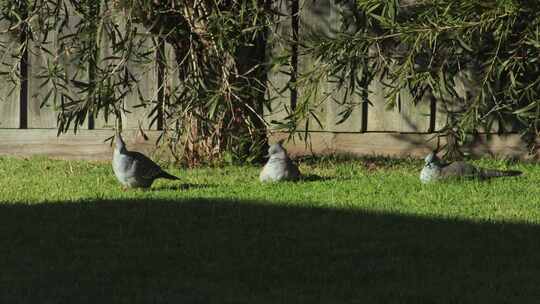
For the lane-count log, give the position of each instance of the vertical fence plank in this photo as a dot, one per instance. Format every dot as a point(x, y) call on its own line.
point(414, 118)
point(442, 115)
point(468, 87)
point(103, 119)
point(446, 105)
point(404, 116)
point(143, 70)
point(41, 101)
point(164, 52)
point(171, 82)
point(324, 18)
point(279, 91)
point(145, 74)
point(314, 20)
point(380, 117)
point(11, 88)
point(54, 48)
point(335, 106)
point(74, 68)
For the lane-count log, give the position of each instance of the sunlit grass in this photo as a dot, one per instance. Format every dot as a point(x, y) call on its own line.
point(368, 184)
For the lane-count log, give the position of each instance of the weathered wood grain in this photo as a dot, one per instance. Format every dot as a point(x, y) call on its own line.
point(42, 103)
point(467, 86)
point(171, 84)
point(381, 116)
point(324, 19)
point(142, 68)
point(85, 145)
point(313, 20)
point(404, 145)
point(74, 69)
point(145, 74)
point(46, 53)
point(400, 115)
point(340, 102)
point(414, 117)
point(279, 91)
point(11, 86)
point(90, 145)
point(105, 63)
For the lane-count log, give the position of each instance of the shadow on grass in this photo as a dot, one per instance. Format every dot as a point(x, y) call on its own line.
point(315, 178)
point(215, 251)
point(183, 186)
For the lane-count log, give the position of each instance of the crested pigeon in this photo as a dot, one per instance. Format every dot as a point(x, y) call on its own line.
point(134, 169)
point(279, 166)
point(435, 169)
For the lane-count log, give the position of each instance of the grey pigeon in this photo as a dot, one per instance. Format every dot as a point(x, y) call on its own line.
point(435, 169)
point(134, 169)
point(279, 166)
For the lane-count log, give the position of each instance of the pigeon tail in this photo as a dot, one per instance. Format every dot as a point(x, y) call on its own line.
point(166, 175)
point(488, 173)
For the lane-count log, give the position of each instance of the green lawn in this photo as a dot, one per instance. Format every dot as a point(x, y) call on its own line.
point(357, 231)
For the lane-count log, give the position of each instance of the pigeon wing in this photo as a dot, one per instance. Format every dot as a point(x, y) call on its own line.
point(459, 170)
point(294, 172)
point(145, 167)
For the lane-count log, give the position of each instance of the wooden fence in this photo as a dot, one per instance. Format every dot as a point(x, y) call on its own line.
point(28, 127)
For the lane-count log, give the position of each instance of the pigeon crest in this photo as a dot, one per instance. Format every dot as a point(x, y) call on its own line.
point(279, 166)
point(435, 169)
point(431, 157)
point(134, 169)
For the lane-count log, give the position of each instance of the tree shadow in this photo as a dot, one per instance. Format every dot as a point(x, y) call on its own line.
point(494, 140)
point(508, 146)
point(217, 251)
point(183, 186)
point(315, 178)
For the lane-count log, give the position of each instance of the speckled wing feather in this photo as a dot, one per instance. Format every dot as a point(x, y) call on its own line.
point(294, 172)
point(490, 173)
point(144, 167)
point(465, 170)
point(459, 169)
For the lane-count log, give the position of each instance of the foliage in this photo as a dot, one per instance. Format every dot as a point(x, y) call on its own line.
point(478, 59)
point(432, 48)
point(212, 103)
point(371, 183)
